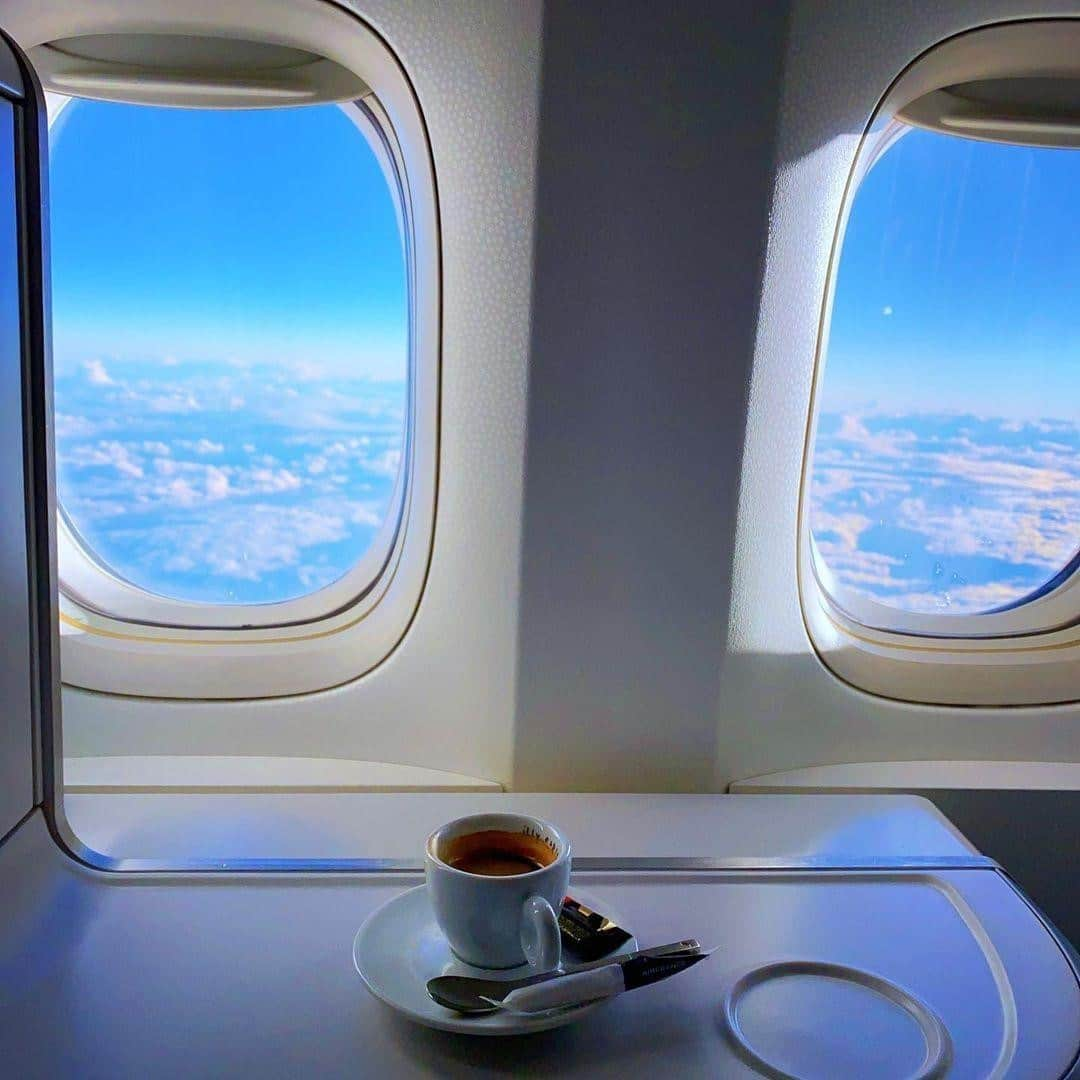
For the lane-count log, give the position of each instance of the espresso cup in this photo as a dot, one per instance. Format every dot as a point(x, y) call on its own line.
point(497, 883)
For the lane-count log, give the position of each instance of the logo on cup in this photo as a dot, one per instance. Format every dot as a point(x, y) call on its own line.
point(535, 834)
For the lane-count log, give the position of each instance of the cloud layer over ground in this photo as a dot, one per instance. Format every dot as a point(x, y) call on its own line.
point(945, 513)
point(221, 483)
point(254, 483)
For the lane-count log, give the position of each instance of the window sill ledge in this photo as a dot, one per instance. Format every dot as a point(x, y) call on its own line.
point(896, 776)
point(177, 774)
point(175, 829)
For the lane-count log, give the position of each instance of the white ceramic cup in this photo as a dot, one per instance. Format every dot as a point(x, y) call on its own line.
point(499, 922)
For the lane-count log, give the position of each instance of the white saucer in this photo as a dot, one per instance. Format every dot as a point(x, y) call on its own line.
point(399, 947)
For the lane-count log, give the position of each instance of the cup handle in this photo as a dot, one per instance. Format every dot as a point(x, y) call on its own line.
point(541, 941)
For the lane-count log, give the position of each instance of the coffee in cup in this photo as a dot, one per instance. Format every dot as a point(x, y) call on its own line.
point(499, 853)
point(497, 883)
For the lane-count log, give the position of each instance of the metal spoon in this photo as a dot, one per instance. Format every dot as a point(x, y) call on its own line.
point(465, 994)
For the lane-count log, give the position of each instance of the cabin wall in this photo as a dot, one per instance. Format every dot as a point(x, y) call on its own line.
point(657, 139)
point(446, 696)
point(777, 703)
point(662, 641)
point(637, 203)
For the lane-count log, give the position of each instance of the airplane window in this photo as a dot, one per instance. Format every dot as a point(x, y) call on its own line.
point(946, 469)
point(230, 309)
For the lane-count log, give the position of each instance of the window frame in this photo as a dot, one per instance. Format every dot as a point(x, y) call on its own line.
point(1025, 653)
point(156, 647)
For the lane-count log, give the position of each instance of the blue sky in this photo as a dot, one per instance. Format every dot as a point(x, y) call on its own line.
point(230, 344)
point(959, 282)
point(946, 476)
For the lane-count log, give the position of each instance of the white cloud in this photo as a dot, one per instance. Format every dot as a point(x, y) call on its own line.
point(846, 527)
point(864, 570)
point(978, 523)
point(96, 508)
point(96, 374)
point(173, 401)
point(172, 502)
point(70, 426)
point(1009, 474)
point(890, 443)
point(365, 514)
point(181, 493)
point(386, 464)
point(886, 310)
point(961, 599)
point(246, 542)
point(111, 453)
point(317, 576)
point(306, 371)
point(266, 481)
point(217, 483)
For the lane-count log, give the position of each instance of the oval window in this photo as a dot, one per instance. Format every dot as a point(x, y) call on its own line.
point(231, 347)
point(946, 468)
